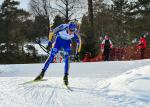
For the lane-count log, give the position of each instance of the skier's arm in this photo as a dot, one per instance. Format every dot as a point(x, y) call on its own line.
point(55, 32)
point(51, 34)
point(60, 28)
point(78, 40)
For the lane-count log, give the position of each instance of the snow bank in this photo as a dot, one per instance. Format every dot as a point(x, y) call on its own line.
point(134, 83)
point(91, 69)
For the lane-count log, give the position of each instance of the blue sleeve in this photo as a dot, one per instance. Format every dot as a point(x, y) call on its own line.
point(49, 43)
point(76, 38)
point(60, 28)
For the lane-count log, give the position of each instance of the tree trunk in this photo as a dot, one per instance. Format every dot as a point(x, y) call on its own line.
point(90, 11)
point(67, 10)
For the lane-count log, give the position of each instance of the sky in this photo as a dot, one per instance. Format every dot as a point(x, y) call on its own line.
point(23, 4)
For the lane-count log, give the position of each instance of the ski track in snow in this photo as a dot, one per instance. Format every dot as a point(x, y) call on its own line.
point(49, 93)
point(87, 92)
point(52, 93)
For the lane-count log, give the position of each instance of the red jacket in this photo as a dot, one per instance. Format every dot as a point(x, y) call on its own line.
point(142, 43)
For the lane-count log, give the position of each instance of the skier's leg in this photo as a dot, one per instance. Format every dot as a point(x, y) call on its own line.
point(54, 51)
point(67, 65)
point(66, 70)
point(46, 65)
point(50, 58)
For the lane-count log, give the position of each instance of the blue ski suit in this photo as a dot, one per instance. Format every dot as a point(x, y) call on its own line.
point(63, 41)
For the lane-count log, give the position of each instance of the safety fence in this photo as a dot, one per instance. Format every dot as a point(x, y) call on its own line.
point(120, 54)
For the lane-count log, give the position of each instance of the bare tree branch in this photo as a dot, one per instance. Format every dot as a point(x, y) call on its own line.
point(66, 8)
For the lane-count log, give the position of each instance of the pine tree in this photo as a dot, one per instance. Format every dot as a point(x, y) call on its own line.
point(121, 36)
point(89, 38)
point(12, 19)
point(40, 27)
point(57, 21)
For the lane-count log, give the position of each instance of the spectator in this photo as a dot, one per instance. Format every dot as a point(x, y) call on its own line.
point(142, 46)
point(106, 47)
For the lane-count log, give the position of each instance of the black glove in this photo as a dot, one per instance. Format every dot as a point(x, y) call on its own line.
point(48, 47)
point(76, 57)
point(38, 41)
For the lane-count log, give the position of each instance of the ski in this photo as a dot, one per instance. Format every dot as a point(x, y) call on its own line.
point(68, 88)
point(33, 81)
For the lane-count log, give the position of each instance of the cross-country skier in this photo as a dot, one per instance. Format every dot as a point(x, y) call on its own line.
point(64, 35)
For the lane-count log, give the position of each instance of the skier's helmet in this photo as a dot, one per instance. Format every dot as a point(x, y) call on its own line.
point(72, 26)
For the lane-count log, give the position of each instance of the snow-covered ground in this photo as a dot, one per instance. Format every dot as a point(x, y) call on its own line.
point(40, 51)
point(97, 84)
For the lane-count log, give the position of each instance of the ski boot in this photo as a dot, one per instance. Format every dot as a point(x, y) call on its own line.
point(40, 76)
point(66, 79)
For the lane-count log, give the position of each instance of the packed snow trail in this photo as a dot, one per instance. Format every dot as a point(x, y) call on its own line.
point(50, 93)
point(93, 85)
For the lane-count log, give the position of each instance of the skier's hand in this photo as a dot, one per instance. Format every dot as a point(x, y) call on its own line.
point(77, 57)
point(38, 41)
point(48, 47)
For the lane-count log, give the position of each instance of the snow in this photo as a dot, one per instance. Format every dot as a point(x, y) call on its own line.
point(40, 51)
point(94, 84)
point(133, 83)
